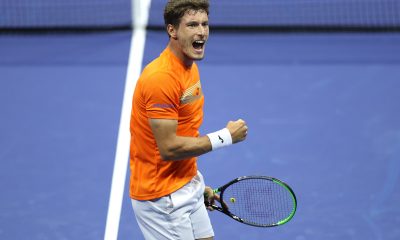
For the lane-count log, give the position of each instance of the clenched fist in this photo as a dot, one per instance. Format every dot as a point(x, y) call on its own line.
point(238, 130)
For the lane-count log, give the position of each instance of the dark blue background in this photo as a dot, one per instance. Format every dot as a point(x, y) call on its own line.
point(322, 110)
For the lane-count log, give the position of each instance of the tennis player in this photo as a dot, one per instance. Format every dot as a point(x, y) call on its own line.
point(166, 188)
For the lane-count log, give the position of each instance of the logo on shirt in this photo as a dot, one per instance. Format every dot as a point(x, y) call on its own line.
point(192, 93)
point(163, 105)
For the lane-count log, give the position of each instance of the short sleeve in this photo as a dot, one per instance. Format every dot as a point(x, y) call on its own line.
point(161, 93)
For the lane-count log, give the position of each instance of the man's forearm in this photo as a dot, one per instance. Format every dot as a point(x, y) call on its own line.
point(185, 147)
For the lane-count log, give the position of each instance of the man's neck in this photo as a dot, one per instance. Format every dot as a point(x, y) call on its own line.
point(176, 50)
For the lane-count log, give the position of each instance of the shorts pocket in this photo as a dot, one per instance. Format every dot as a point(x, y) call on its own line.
point(164, 204)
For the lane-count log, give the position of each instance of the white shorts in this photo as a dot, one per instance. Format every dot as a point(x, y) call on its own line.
point(178, 216)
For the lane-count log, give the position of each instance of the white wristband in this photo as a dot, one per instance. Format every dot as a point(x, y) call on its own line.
point(219, 139)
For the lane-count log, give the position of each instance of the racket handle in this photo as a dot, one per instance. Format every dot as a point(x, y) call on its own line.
point(213, 206)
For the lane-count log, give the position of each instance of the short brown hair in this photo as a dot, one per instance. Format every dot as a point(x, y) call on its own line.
point(175, 9)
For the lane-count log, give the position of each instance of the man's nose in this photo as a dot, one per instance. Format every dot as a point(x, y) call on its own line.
point(202, 30)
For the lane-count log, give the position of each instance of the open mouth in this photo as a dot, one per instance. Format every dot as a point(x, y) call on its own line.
point(199, 44)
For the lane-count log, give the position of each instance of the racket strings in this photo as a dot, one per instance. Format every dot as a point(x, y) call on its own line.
point(259, 201)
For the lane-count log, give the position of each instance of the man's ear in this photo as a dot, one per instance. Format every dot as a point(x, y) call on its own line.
point(171, 31)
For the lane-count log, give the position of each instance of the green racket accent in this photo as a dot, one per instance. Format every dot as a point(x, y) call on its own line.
point(294, 202)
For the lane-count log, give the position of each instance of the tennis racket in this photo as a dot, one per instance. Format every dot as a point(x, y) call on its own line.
point(259, 201)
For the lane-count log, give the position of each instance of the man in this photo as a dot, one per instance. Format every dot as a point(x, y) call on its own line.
point(167, 111)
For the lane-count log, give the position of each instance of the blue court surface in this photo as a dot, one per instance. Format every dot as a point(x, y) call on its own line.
point(323, 112)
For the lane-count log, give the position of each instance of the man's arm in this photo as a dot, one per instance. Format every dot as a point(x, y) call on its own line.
point(174, 147)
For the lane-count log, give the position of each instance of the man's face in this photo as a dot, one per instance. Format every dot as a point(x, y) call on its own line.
point(192, 34)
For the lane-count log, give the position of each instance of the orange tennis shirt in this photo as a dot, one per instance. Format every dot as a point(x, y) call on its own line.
point(165, 90)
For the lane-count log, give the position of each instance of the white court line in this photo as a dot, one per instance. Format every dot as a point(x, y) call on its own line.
point(140, 15)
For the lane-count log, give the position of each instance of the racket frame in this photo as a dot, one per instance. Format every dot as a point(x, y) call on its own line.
point(226, 211)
